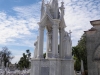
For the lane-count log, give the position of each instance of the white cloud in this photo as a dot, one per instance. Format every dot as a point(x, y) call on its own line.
point(31, 11)
point(15, 27)
point(22, 29)
point(18, 55)
point(78, 15)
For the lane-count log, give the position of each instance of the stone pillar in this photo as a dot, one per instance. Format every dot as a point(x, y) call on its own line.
point(40, 42)
point(55, 38)
point(47, 45)
point(61, 52)
point(82, 67)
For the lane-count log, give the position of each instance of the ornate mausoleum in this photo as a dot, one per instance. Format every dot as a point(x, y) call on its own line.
point(57, 61)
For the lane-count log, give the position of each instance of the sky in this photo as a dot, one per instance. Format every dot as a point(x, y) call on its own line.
point(19, 28)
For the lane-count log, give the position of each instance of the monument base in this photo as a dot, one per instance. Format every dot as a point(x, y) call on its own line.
point(52, 67)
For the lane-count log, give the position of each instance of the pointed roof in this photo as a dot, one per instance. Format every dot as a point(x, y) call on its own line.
point(43, 2)
point(53, 1)
point(42, 8)
point(54, 8)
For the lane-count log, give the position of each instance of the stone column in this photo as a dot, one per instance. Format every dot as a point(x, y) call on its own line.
point(61, 52)
point(55, 27)
point(40, 42)
point(47, 46)
point(49, 43)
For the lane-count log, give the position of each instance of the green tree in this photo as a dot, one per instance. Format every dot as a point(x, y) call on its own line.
point(77, 64)
point(6, 56)
point(28, 54)
point(24, 61)
point(44, 55)
point(79, 51)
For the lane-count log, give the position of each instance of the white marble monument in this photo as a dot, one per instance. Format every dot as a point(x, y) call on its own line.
point(57, 61)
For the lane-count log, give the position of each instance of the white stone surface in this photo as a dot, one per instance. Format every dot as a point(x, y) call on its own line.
point(40, 42)
point(56, 66)
point(36, 48)
point(58, 61)
point(93, 48)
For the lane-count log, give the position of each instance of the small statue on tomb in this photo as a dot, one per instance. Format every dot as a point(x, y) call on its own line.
point(50, 40)
point(67, 45)
point(36, 48)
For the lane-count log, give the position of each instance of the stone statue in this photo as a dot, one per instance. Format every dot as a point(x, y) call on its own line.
point(62, 10)
point(49, 44)
point(36, 48)
point(67, 45)
point(50, 40)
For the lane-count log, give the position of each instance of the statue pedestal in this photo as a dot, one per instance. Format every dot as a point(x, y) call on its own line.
point(52, 66)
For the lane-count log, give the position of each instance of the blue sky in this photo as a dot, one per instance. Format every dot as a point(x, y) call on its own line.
point(18, 22)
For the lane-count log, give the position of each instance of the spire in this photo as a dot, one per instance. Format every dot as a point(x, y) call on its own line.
point(43, 3)
point(53, 1)
point(54, 7)
point(62, 10)
point(62, 4)
point(42, 8)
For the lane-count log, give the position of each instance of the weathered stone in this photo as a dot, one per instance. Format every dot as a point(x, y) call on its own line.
point(57, 62)
point(93, 48)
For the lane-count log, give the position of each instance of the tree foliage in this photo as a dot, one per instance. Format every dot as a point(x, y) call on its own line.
point(6, 56)
point(44, 55)
point(80, 53)
point(24, 61)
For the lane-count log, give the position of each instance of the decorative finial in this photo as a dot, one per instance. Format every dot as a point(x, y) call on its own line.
point(42, 1)
point(70, 33)
point(62, 4)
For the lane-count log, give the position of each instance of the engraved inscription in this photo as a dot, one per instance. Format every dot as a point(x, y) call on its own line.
point(44, 71)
